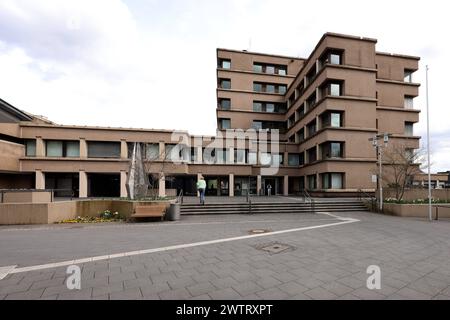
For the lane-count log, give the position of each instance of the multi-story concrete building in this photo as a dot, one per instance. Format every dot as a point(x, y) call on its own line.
point(326, 108)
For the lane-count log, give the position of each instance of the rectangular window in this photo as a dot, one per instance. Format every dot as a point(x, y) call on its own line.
point(312, 155)
point(408, 76)
point(277, 159)
point(335, 58)
point(257, 68)
point(332, 150)
point(270, 107)
point(265, 159)
point(312, 128)
point(97, 149)
point(270, 69)
point(225, 104)
point(270, 88)
point(54, 148)
point(293, 159)
point(332, 181)
point(335, 89)
point(312, 182)
point(225, 63)
point(409, 128)
point(257, 87)
point(239, 156)
point(282, 89)
point(409, 102)
point(252, 158)
point(257, 125)
point(225, 83)
point(282, 71)
point(224, 124)
point(335, 119)
point(152, 151)
point(30, 148)
point(257, 106)
point(72, 149)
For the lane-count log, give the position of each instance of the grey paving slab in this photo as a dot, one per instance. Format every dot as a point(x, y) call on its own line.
point(327, 263)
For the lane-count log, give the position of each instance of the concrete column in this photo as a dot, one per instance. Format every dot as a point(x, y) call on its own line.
point(40, 180)
point(199, 155)
point(231, 184)
point(317, 94)
point(83, 184)
point(285, 158)
point(123, 149)
point(258, 184)
point(162, 151)
point(437, 184)
point(123, 184)
point(83, 148)
point(40, 147)
point(230, 155)
point(286, 186)
point(317, 152)
point(162, 185)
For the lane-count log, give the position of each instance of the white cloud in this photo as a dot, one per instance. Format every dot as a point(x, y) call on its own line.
point(152, 64)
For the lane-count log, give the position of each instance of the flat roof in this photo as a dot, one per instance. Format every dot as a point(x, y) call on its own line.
point(261, 54)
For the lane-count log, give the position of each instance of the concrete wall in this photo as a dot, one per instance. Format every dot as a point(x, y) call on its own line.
point(9, 155)
point(414, 210)
point(27, 197)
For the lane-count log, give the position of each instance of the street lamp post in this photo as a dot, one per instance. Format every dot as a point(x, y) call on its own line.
point(428, 151)
point(378, 146)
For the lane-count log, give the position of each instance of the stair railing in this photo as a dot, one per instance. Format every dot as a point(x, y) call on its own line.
point(249, 202)
point(362, 195)
point(308, 199)
point(180, 197)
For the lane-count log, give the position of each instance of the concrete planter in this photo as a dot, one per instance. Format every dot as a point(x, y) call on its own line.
point(51, 212)
point(415, 210)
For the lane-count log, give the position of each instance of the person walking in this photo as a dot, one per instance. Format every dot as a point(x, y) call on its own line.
point(201, 187)
point(269, 189)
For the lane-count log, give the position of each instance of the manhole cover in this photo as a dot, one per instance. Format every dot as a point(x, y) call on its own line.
point(258, 231)
point(274, 248)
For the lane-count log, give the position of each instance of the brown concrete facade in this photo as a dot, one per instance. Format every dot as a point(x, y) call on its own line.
point(326, 107)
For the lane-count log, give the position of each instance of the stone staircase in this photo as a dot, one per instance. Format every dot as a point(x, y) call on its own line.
point(272, 207)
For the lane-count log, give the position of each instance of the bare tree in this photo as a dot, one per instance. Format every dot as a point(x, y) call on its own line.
point(400, 165)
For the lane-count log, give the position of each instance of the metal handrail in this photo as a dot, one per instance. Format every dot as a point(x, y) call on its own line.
point(364, 195)
point(309, 199)
point(180, 197)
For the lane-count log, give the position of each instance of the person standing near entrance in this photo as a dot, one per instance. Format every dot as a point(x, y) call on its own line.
point(201, 187)
point(269, 189)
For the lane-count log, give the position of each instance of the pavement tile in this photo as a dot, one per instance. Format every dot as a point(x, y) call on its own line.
point(178, 294)
point(320, 294)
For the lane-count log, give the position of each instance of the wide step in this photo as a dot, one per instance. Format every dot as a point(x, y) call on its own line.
point(271, 207)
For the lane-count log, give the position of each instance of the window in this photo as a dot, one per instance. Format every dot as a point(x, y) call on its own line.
point(312, 182)
point(311, 128)
point(277, 159)
point(257, 125)
point(332, 150)
point(152, 151)
point(335, 58)
point(224, 104)
point(311, 102)
point(225, 83)
point(97, 149)
point(225, 63)
point(409, 102)
point(269, 88)
point(257, 68)
point(335, 119)
point(312, 155)
point(257, 87)
point(332, 181)
point(409, 128)
point(30, 148)
point(270, 69)
point(265, 159)
point(62, 148)
point(252, 157)
point(293, 159)
point(239, 156)
point(335, 89)
point(224, 124)
point(408, 76)
point(269, 107)
point(332, 119)
point(301, 135)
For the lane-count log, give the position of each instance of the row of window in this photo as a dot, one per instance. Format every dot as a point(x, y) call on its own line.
point(258, 106)
point(257, 67)
point(328, 119)
point(261, 87)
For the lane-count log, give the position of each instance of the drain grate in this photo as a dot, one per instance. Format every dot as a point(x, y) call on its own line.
point(259, 231)
point(275, 247)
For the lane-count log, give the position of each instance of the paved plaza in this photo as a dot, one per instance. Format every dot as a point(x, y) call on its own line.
point(312, 256)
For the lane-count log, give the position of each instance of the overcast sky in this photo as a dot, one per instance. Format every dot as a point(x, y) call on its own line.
point(151, 64)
